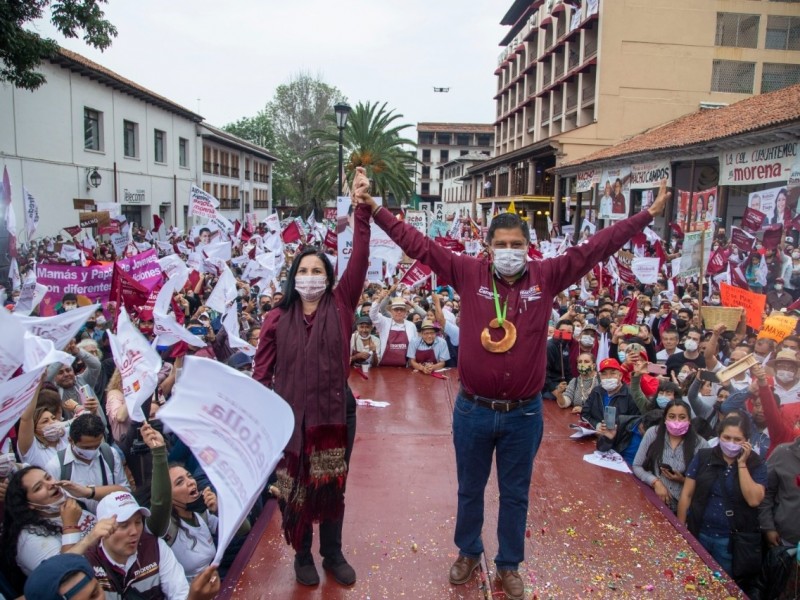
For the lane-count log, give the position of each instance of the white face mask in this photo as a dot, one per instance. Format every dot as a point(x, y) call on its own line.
point(609, 383)
point(84, 454)
point(784, 376)
point(690, 345)
point(682, 376)
point(778, 287)
point(53, 432)
point(311, 287)
point(51, 509)
point(587, 340)
point(509, 261)
point(795, 255)
point(576, 331)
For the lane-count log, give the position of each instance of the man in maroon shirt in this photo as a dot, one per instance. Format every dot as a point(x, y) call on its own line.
point(505, 307)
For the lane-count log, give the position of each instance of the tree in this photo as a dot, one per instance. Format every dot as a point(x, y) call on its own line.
point(373, 140)
point(22, 51)
point(298, 110)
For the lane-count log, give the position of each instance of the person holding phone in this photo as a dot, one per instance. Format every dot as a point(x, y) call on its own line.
point(728, 478)
point(665, 452)
point(611, 392)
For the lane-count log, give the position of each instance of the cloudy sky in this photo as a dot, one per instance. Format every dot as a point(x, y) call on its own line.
point(231, 55)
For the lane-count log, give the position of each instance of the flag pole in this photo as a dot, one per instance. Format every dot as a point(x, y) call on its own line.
point(702, 271)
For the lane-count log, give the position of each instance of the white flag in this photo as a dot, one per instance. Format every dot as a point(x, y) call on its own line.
point(10, 342)
point(31, 295)
point(168, 330)
point(174, 268)
point(230, 322)
point(31, 213)
point(41, 352)
point(224, 293)
point(70, 253)
point(137, 362)
point(13, 275)
point(60, 329)
point(11, 219)
point(15, 396)
point(236, 428)
point(645, 269)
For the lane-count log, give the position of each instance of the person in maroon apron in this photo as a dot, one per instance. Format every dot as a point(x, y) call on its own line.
point(429, 351)
point(397, 337)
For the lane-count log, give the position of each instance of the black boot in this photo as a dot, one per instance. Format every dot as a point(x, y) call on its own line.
point(304, 569)
point(330, 546)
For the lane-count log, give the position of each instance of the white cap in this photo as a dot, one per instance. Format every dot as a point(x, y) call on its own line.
point(121, 504)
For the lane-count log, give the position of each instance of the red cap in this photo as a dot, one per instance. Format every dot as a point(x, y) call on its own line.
point(610, 363)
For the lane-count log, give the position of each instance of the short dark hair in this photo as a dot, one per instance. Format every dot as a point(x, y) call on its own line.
point(202, 229)
point(88, 425)
point(508, 221)
point(69, 297)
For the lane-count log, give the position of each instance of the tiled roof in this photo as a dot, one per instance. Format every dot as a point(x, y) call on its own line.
point(707, 125)
point(456, 127)
point(228, 139)
point(81, 64)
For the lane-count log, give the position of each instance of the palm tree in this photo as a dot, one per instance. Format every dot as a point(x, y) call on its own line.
point(372, 140)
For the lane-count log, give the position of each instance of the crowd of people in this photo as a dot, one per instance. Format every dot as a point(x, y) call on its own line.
point(95, 500)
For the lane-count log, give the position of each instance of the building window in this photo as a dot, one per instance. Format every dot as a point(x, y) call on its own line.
point(130, 139)
point(426, 171)
point(183, 152)
point(776, 76)
point(733, 76)
point(484, 139)
point(737, 30)
point(426, 155)
point(426, 138)
point(92, 129)
point(159, 145)
point(443, 139)
point(464, 152)
point(462, 139)
point(426, 189)
point(444, 155)
point(783, 33)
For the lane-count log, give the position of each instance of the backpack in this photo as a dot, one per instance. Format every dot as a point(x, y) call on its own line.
point(108, 457)
point(172, 529)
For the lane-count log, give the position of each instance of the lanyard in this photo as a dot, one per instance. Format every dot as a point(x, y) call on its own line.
point(501, 317)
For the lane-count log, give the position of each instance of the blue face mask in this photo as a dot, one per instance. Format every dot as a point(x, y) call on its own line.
point(621, 356)
point(662, 401)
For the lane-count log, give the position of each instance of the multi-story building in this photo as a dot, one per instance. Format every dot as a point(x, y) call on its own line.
point(236, 172)
point(438, 143)
point(89, 137)
point(575, 77)
point(458, 188)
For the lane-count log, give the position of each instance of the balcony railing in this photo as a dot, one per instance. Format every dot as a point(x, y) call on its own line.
point(247, 174)
point(588, 94)
point(261, 204)
point(590, 49)
point(558, 109)
point(574, 59)
point(260, 177)
point(225, 171)
point(206, 166)
point(235, 172)
point(572, 101)
point(229, 203)
point(548, 76)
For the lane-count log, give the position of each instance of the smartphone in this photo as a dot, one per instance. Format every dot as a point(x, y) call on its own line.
point(630, 329)
point(708, 376)
point(610, 417)
point(656, 369)
point(668, 469)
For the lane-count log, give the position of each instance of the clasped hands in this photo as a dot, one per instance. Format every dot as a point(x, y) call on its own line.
point(360, 190)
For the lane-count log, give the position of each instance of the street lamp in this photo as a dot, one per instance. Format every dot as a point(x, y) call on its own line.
point(342, 112)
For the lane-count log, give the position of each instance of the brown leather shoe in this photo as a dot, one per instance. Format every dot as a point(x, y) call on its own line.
point(512, 584)
point(462, 569)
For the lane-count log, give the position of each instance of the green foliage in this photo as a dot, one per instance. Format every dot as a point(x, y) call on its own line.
point(373, 140)
point(22, 51)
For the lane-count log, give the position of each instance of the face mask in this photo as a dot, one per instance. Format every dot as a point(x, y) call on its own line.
point(678, 428)
point(681, 323)
point(587, 340)
point(242, 293)
point(621, 356)
point(51, 509)
point(53, 432)
point(84, 454)
point(682, 376)
point(778, 287)
point(640, 318)
point(509, 261)
point(662, 401)
point(604, 322)
point(609, 383)
point(784, 376)
point(730, 449)
point(311, 287)
point(795, 255)
point(584, 369)
point(690, 345)
point(197, 506)
point(69, 307)
point(576, 331)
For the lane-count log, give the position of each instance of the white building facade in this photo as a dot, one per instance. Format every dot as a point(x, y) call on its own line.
point(86, 119)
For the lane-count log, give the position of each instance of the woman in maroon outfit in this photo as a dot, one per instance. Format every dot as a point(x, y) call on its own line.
point(303, 354)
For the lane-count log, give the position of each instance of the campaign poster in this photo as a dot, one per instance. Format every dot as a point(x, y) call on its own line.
point(774, 203)
point(703, 210)
point(696, 251)
point(615, 194)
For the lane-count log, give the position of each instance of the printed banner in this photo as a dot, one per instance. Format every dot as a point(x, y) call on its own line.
point(645, 269)
point(774, 204)
point(649, 175)
point(703, 210)
point(31, 213)
point(236, 428)
point(418, 219)
point(696, 249)
point(758, 164)
point(93, 284)
point(380, 244)
point(741, 239)
point(777, 327)
point(15, 396)
point(752, 303)
point(616, 197)
point(59, 329)
point(375, 270)
point(753, 219)
point(202, 204)
point(416, 275)
point(586, 180)
point(13, 334)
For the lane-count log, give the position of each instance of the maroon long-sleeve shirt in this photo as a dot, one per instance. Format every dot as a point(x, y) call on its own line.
point(347, 295)
point(519, 372)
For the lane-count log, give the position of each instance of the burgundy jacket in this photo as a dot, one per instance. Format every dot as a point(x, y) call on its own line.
point(518, 373)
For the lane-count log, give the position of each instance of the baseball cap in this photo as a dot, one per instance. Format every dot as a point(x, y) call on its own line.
point(364, 320)
point(610, 363)
point(44, 582)
point(122, 504)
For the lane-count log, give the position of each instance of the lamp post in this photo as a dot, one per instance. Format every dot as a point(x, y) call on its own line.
point(342, 112)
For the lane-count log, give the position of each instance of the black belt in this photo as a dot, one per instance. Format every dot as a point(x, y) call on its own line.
point(498, 405)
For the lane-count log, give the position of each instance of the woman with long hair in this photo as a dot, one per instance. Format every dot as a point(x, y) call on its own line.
point(719, 503)
point(303, 354)
point(666, 451)
point(42, 433)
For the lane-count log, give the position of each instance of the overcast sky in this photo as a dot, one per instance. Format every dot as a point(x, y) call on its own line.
point(232, 55)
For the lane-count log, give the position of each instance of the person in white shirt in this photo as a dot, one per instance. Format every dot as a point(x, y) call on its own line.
point(41, 433)
point(87, 464)
point(395, 334)
point(365, 348)
point(669, 340)
point(428, 352)
point(787, 376)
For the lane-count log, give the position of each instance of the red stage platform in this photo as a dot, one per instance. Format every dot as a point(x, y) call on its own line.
point(593, 532)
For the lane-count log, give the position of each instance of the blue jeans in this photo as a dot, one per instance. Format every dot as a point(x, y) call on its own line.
point(719, 548)
point(515, 436)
